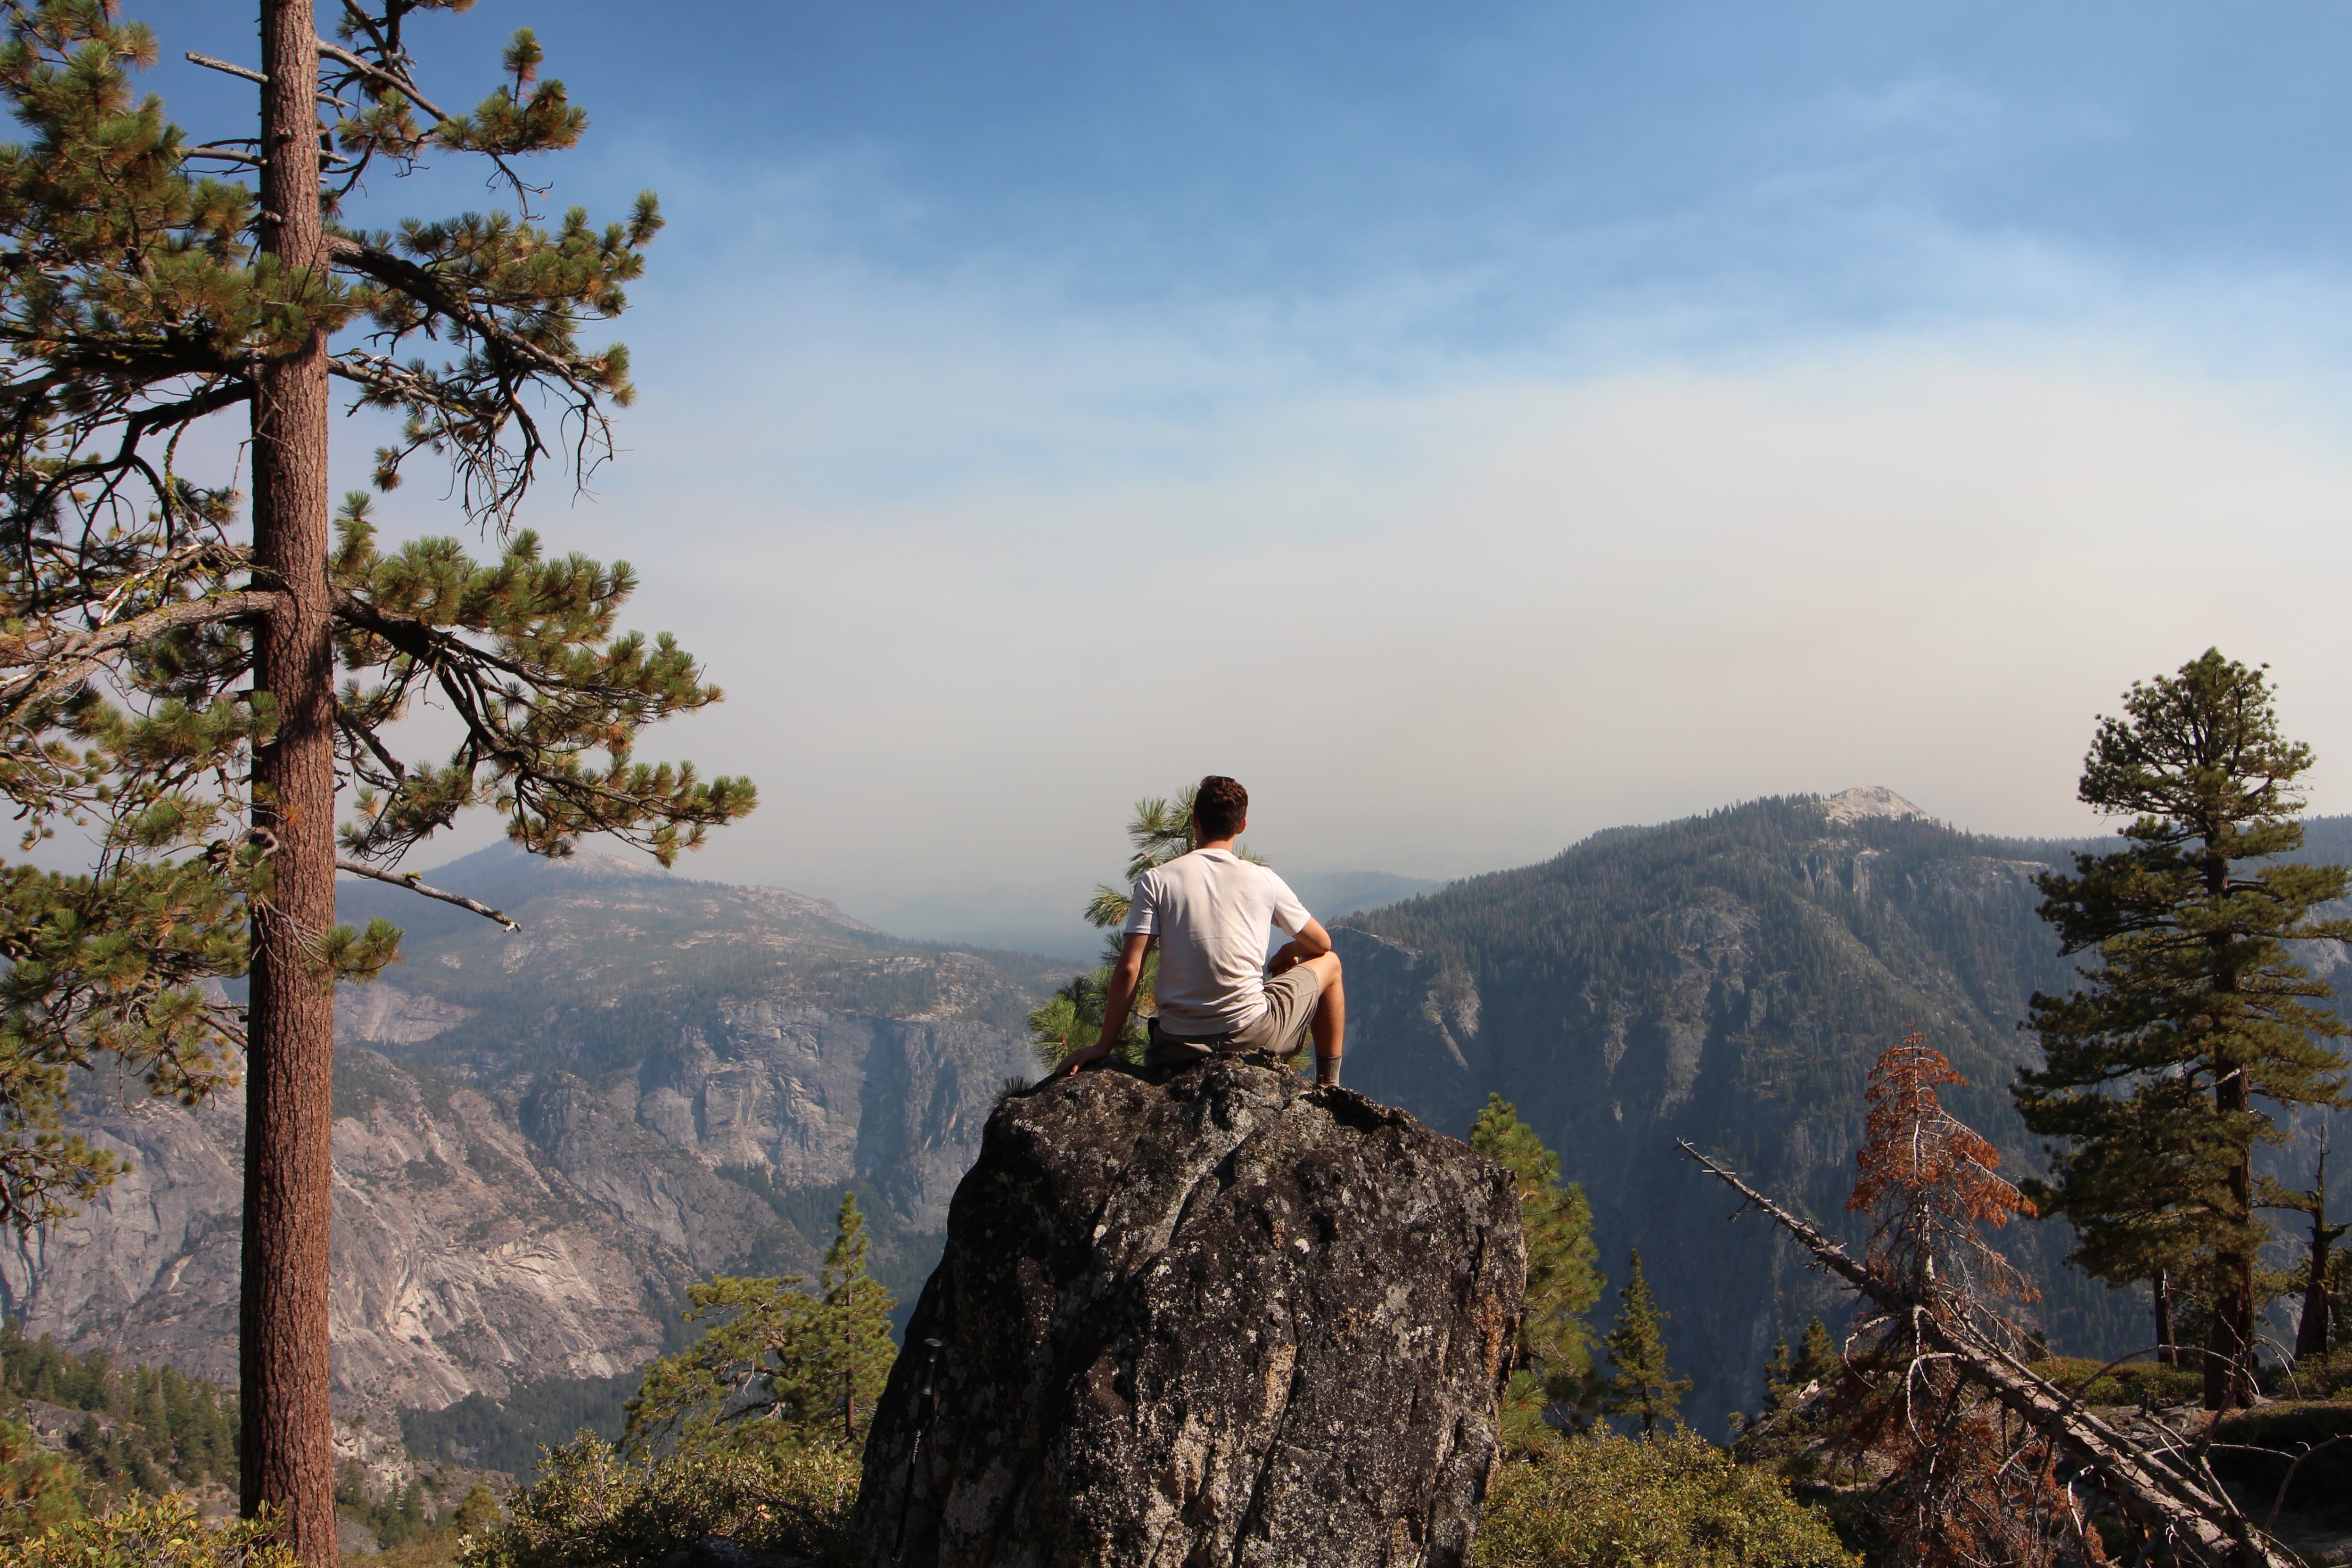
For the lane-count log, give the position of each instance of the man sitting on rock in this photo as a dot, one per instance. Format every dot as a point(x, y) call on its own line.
point(1217, 992)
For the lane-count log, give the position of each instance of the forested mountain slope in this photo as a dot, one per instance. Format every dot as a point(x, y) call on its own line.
point(542, 1137)
point(1727, 979)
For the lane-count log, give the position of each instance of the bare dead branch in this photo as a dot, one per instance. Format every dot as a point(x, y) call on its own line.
point(2288, 1480)
point(211, 63)
point(408, 879)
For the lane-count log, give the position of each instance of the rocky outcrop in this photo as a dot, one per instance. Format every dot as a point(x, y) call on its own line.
point(1229, 1318)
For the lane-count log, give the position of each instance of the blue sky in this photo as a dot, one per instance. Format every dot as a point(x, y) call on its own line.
point(1472, 425)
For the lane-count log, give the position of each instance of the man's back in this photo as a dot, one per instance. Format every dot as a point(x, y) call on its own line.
point(1212, 909)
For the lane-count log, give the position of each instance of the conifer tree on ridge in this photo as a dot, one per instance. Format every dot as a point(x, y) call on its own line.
point(2156, 1072)
point(855, 1354)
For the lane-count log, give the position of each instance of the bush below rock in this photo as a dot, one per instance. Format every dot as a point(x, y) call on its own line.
point(1670, 1501)
point(591, 1507)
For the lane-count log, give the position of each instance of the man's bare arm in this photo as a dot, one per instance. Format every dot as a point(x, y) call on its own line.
point(1312, 941)
point(1119, 999)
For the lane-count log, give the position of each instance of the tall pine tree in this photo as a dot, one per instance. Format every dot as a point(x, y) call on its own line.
point(209, 698)
point(1553, 1384)
point(1641, 1383)
point(2159, 1075)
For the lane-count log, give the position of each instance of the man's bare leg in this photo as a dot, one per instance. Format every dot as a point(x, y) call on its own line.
point(1330, 1026)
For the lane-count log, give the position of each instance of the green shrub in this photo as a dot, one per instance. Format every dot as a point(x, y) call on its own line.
point(38, 1490)
point(2134, 1383)
point(2325, 1376)
point(152, 1532)
point(590, 1505)
point(1669, 1501)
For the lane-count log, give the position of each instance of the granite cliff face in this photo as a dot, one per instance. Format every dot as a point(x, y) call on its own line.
point(460, 1264)
point(541, 1139)
point(1223, 1318)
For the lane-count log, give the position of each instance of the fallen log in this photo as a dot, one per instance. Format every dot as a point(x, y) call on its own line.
point(2201, 1520)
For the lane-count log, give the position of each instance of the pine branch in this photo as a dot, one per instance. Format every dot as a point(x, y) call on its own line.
point(2204, 1522)
point(443, 652)
point(408, 879)
point(418, 284)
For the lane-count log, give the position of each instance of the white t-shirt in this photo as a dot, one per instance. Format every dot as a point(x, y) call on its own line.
point(1211, 909)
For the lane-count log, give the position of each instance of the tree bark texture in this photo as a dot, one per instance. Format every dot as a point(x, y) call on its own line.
point(2229, 1347)
point(287, 1462)
point(2311, 1329)
point(2161, 1289)
point(2230, 1342)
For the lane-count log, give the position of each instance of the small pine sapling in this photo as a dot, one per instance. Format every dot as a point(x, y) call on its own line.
point(1640, 1384)
point(854, 1354)
point(779, 1368)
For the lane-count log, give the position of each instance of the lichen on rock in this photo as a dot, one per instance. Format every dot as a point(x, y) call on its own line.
point(1228, 1318)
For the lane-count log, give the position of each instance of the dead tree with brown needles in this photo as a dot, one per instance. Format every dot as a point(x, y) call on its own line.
point(2173, 1499)
point(1967, 1482)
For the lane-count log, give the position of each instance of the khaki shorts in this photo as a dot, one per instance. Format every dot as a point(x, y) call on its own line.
point(1280, 1030)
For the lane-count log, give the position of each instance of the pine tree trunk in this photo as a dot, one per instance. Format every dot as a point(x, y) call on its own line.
point(287, 1462)
point(2311, 1330)
point(2161, 1289)
point(2229, 1347)
point(2229, 1344)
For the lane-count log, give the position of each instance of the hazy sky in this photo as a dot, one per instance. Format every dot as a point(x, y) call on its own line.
point(1470, 425)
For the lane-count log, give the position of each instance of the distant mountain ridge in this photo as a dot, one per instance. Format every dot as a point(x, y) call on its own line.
point(542, 1137)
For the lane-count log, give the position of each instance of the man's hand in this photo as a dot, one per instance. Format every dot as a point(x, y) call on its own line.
point(1312, 941)
point(1082, 1056)
point(1119, 996)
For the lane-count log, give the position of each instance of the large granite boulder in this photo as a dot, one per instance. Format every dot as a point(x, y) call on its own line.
point(1229, 1318)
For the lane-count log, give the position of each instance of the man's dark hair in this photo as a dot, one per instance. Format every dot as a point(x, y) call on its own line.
point(1220, 806)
